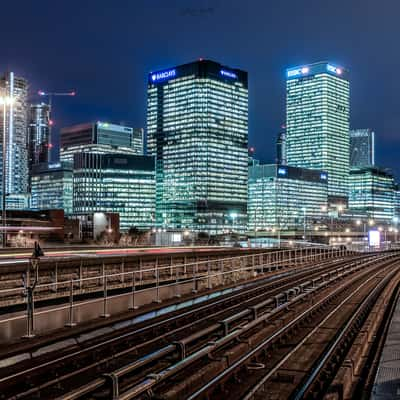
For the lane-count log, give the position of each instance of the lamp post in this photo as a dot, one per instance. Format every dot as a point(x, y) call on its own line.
point(304, 223)
point(5, 101)
point(255, 220)
point(396, 221)
point(359, 222)
point(233, 215)
point(370, 222)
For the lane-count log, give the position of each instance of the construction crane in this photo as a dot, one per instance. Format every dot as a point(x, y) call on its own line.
point(50, 95)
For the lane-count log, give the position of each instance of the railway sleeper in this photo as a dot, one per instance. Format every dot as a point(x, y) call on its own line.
point(264, 321)
point(345, 343)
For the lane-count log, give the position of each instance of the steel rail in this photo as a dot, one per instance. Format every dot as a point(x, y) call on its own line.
point(262, 382)
point(156, 378)
point(148, 383)
point(201, 275)
point(258, 286)
point(237, 364)
point(328, 263)
point(333, 346)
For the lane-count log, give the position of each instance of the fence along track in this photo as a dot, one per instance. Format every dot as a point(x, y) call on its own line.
point(186, 362)
point(112, 343)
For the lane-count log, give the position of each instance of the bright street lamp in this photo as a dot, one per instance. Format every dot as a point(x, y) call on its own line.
point(304, 223)
point(233, 215)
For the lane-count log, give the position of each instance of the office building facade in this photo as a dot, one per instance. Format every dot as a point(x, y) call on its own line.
point(39, 134)
point(137, 141)
point(317, 122)
point(197, 122)
point(52, 187)
point(372, 191)
point(362, 148)
point(67, 153)
point(115, 183)
point(16, 127)
point(285, 198)
point(396, 216)
point(281, 149)
point(102, 133)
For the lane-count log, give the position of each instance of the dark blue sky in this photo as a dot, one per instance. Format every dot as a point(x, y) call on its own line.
point(104, 49)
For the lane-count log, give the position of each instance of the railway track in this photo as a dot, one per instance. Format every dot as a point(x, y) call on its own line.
point(301, 358)
point(75, 368)
point(299, 376)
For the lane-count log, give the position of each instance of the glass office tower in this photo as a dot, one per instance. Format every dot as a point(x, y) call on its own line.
point(372, 191)
point(284, 198)
point(197, 121)
point(317, 122)
point(67, 153)
point(16, 128)
point(396, 214)
point(102, 133)
point(115, 183)
point(39, 135)
point(100, 138)
point(362, 148)
point(281, 149)
point(51, 187)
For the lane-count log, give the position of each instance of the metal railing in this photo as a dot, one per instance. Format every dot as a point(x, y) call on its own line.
point(197, 275)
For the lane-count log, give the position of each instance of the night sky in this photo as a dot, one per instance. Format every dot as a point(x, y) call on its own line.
point(104, 49)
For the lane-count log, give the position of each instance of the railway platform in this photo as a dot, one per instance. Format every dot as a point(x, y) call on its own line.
point(387, 380)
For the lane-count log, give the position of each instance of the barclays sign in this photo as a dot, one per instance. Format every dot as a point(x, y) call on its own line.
point(228, 74)
point(163, 75)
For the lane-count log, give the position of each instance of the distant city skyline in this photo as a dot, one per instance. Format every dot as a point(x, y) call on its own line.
point(108, 68)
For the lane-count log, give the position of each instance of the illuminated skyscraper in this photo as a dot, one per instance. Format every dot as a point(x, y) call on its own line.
point(373, 191)
point(115, 183)
point(197, 121)
point(16, 128)
point(51, 186)
point(281, 148)
point(283, 198)
point(102, 133)
point(317, 122)
point(39, 121)
point(362, 148)
point(102, 138)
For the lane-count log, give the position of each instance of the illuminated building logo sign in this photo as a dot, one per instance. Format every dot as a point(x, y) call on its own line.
point(293, 72)
point(55, 165)
point(335, 70)
point(305, 70)
point(282, 171)
point(324, 176)
point(298, 71)
point(163, 75)
point(228, 74)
